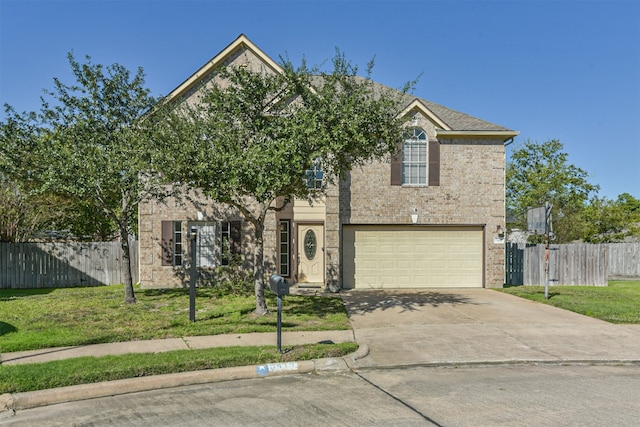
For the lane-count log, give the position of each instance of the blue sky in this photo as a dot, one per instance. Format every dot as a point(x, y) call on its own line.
point(567, 70)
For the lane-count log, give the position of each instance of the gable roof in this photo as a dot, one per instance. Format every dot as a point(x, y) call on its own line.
point(242, 42)
point(450, 122)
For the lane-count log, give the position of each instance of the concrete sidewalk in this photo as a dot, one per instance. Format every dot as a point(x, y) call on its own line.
point(171, 344)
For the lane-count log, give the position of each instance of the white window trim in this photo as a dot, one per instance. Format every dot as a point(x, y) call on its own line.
point(420, 141)
point(285, 228)
point(178, 244)
point(313, 182)
point(206, 243)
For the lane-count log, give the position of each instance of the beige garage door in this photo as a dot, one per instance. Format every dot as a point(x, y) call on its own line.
point(412, 257)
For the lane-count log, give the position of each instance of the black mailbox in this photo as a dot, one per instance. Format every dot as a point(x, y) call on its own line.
point(279, 285)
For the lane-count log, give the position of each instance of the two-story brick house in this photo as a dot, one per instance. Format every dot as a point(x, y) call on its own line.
point(433, 216)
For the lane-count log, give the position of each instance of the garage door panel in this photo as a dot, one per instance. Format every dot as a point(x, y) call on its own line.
point(412, 257)
point(403, 264)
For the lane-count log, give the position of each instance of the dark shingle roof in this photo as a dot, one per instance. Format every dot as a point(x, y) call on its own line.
point(461, 121)
point(456, 120)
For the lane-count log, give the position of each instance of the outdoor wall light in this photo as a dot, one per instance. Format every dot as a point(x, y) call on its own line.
point(499, 231)
point(414, 216)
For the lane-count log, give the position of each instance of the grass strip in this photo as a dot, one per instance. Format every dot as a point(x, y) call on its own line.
point(86, 370)
point(617, 303)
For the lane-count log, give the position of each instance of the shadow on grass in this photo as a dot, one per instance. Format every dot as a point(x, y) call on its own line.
point(6, 328)
point(312, 305)
point(201, 292)
point(165, 293)
point(10, 294)
point(364, 301)
point(217, 315)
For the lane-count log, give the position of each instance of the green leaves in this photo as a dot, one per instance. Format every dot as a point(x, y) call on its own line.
point(88, 144)
point(539, 173)
point(254, 134)
point(251, 136)
point(612, 220)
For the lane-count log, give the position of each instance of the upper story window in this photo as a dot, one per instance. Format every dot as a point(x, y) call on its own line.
point(315, 176)
point(414, 158)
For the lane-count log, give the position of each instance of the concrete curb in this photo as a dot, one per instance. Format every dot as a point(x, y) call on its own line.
point(11, 402)
point(360, 353)
point(34, 399)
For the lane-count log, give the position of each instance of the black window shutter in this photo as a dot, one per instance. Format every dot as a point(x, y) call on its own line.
point(396, 167)
point(167, 242)
point(235, 235)
point(434, 163)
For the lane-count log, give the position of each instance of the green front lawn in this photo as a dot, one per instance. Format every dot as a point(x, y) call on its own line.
point(617, 303)
point(42, 318)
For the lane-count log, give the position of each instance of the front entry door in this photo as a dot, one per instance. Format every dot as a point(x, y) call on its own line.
point(310, 253)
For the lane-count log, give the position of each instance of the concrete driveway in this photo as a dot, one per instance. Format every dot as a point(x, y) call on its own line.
point(451, 326)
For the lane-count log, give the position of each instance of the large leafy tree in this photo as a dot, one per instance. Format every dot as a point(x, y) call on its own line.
point(540, 173)
point(22, 215)
point(87, 143)
point(27, 215)
point(612, 220)
point(250, 140)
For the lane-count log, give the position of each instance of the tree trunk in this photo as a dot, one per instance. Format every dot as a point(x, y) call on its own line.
point(129, 294)
point(261, 303)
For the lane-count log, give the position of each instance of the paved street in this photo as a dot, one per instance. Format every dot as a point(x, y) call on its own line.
point(505, 395)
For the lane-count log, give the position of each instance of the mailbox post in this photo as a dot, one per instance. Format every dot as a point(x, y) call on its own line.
point(194, 272)
point(280, 287)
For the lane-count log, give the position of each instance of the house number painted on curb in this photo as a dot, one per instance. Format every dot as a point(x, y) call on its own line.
point(272, 368)
point(310, 244)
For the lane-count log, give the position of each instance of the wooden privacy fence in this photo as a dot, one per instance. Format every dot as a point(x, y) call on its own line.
point(572, 264)
point(568, 265)
point(624, 260)
point(64, 264)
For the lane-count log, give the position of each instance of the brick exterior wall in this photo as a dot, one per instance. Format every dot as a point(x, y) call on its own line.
point(471, 192)
point(191, 209)
point(152, 213)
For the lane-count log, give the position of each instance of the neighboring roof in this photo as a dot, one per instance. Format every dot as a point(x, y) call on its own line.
point(451, 122)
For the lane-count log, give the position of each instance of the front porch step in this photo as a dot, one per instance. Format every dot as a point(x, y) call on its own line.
point(309, 285)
